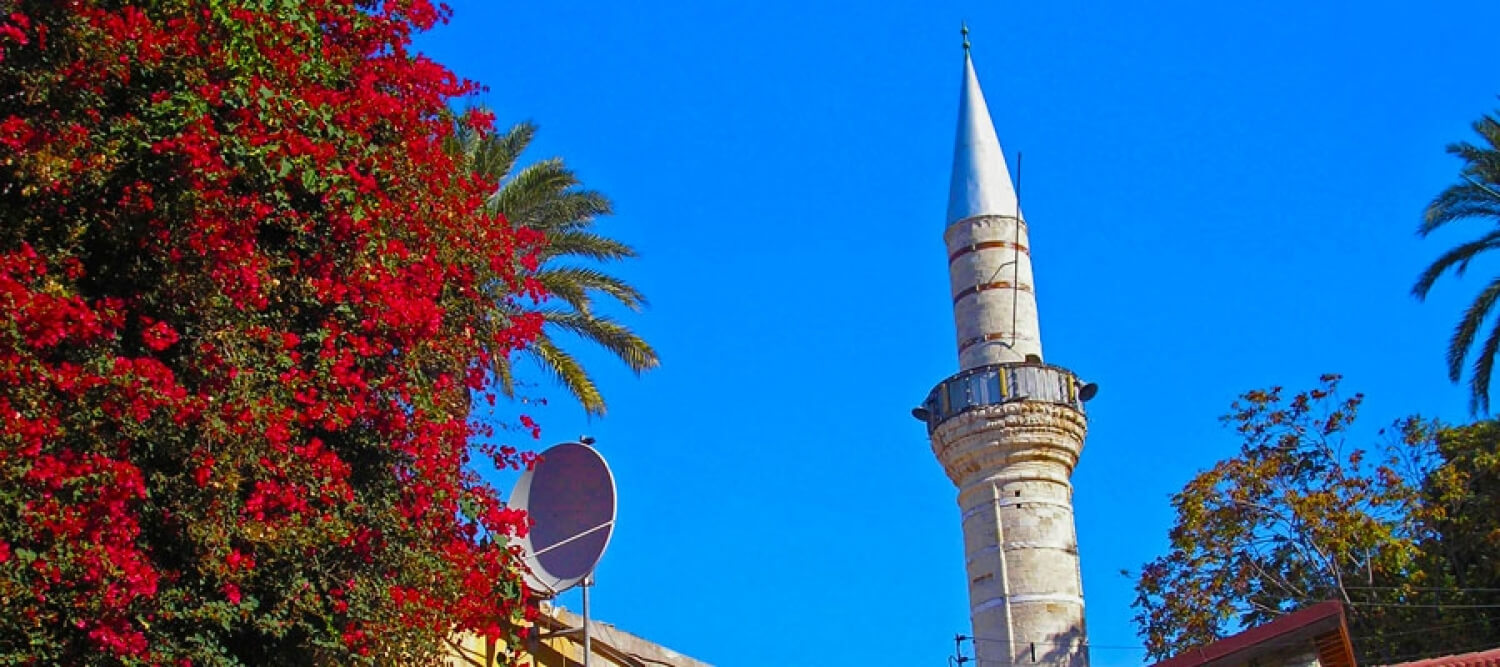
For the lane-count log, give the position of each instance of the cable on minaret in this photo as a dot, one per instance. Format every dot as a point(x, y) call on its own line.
point(1015, 287)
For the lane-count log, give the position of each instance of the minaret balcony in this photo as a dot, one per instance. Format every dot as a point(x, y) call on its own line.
point(997, 384)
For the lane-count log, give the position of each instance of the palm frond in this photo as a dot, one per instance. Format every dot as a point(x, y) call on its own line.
point(1476, 195)
point(1484, 186)
point(575, 284)
point(1460, 202)
point(1478, 159)
point(460, 143)
point(618, 339)
point(1488, 128)
point(580, 243)
point(552, 212)
point(572, 210)
point(1480, 162)
point(532, 188)
point(571, 293)
point(1458, 258)
point(569, 373)
point(500, 366)
point(504, 150)
point(489, 155)
point(547, 196)
point(1468, 328)
point(1484, 364)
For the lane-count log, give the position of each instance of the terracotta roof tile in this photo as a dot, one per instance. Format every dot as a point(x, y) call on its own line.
point(1490, 658)
point(1259, 636)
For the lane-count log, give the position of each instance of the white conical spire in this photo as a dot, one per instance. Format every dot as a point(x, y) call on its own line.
point(981, 183)
point(989, 256)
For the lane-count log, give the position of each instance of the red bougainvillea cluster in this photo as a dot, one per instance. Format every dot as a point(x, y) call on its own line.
point(248, 293)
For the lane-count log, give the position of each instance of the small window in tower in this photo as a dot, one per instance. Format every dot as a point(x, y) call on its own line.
point(992, 391)
point(976, 390)
point(957, 396)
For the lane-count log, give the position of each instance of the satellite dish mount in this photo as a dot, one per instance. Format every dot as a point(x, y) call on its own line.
point(569, 495)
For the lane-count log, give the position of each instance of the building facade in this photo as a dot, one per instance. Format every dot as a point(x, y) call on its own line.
point(1008, 428)
point(556, 640)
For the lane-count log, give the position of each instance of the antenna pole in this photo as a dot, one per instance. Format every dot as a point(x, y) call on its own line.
point(958, 657)
point(1015, 281)
point(587, 648)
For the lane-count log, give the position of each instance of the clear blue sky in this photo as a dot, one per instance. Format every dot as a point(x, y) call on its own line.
point(1221, 196)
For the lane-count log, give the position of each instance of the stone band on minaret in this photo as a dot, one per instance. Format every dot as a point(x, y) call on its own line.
point(994, 300)
point(1007, 427)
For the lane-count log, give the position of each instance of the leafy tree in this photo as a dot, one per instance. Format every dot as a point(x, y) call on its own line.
point(248, 295)
point(1410, 545)
point(1464, 503)
point(547, 196)
point(1477, 195)
point(1458, 577)
point(1296, 518)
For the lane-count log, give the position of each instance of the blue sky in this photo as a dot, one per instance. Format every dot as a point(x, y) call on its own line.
point(1221, 196)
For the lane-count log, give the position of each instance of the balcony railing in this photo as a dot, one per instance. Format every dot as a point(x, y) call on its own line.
point(1002, 383)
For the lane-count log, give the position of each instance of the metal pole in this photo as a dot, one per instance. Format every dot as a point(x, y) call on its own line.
point(587, 648)
point(1015, 281)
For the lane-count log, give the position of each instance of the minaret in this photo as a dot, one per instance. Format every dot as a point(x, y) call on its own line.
point(1007, 427)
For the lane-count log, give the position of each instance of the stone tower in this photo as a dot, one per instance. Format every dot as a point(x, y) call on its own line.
point(1008, 428)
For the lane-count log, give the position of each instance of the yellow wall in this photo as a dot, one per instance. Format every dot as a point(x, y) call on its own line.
point(563, 646)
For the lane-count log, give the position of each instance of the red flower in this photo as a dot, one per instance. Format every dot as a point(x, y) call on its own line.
point(236, 560)
point(204, 472)
point(159, 336)
point(302, 281)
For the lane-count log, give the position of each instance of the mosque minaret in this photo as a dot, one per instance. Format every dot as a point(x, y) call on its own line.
point(1008, 428)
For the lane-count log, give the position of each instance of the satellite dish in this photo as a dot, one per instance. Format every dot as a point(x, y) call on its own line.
point(569, 495)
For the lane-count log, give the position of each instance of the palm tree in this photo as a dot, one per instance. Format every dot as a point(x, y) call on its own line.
point(1476, 196)
point(547, 196)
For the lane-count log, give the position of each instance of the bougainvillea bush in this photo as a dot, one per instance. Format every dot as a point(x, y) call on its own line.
point(248, 300)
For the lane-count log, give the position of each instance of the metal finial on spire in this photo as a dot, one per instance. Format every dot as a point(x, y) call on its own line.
point(964, 30)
